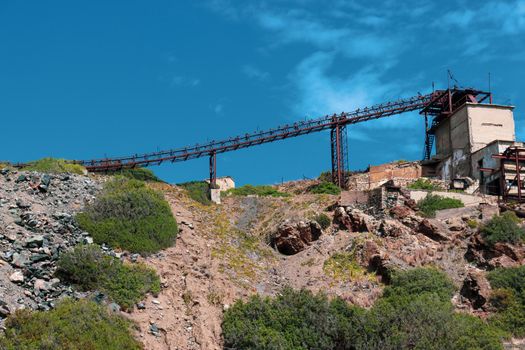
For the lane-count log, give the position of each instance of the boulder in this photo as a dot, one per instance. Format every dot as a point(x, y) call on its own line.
point(354, 220)
point(401, 212)
point(42, 285)
point(392, 228)
point(20, 259)
point(433, 229)
point(34, 241)
point(342, 219)
point(455, 224)
point(476, 288)
point(291, 238)
point(17, 277)
point(498, 255)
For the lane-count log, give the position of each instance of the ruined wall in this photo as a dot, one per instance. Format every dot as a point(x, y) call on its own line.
point(394, 171)
point(402, 173)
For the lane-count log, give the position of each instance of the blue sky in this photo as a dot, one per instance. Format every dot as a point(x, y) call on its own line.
point(88, 79)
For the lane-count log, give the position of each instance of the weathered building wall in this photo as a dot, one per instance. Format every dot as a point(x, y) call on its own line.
point(443, 144)
point(483, 157)
point(468, 130)
point(488, 123)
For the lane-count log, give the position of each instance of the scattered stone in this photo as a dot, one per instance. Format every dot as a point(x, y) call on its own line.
point(34, 241)
point(20, 259)
point(17, 277)
point(154, 329)
point(41, 285)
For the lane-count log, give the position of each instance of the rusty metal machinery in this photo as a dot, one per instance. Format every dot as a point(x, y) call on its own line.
point(442, 105)
point(512, 174)
point(438, 105)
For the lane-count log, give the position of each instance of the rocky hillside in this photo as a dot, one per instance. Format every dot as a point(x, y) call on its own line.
point(247, 245)
point(36, 225)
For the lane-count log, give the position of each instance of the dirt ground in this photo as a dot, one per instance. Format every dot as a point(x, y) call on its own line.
point(221, 256)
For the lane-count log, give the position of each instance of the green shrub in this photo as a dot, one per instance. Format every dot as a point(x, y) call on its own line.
point(420, 316)
point(89, 268)
point(472, 223)
point(508, 278)
point(199, 191)
point(325, 176)
point(323, 220)
point(131, 216)
point(263, 191)
point(423, 184)
point(54, 165)
point(325, 188)
point(72, 325)
point(503, 228)
point(431, 203)
point(292, 320)
point(509, 299)
point(142, 174)
point(420, 281)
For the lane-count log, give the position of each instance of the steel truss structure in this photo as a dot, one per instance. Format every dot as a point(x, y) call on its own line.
point(438, 104)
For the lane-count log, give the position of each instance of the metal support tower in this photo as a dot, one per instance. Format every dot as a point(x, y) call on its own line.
point(213, 169)
point(429, 139)
point(339, 148)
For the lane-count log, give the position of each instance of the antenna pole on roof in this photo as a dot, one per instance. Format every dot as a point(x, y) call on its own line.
point(490, 91)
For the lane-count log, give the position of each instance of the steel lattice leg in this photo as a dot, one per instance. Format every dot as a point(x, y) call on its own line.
point(339, 150)
point(213, 170)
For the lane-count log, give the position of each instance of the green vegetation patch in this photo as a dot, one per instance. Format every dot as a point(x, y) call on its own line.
point(91, 269)
point(420, 281)
point(325, 176)
point(199, 191)
point(344, 267)
point(142, 174)
point(431, 203)
point(129, 215)
point(325, 188)
point(72, 325)
point(503, 228)
point(323, 220)
point(54, 165)
point(416, 318)
point(508, 298)
point(262, 191)
point(423, 184)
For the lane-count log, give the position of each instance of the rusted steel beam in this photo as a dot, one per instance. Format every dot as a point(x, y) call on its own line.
point(297, 129)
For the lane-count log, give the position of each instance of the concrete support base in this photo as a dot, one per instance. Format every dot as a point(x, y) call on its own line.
point(215, 195)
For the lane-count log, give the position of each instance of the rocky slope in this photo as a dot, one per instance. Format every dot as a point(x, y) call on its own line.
point(36, 224)
point(231, 251)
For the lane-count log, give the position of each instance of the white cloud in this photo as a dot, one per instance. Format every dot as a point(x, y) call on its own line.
point(494, 18)
point(319, 93)
point(299, 26)
point(181, 81)
point(254, 72)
